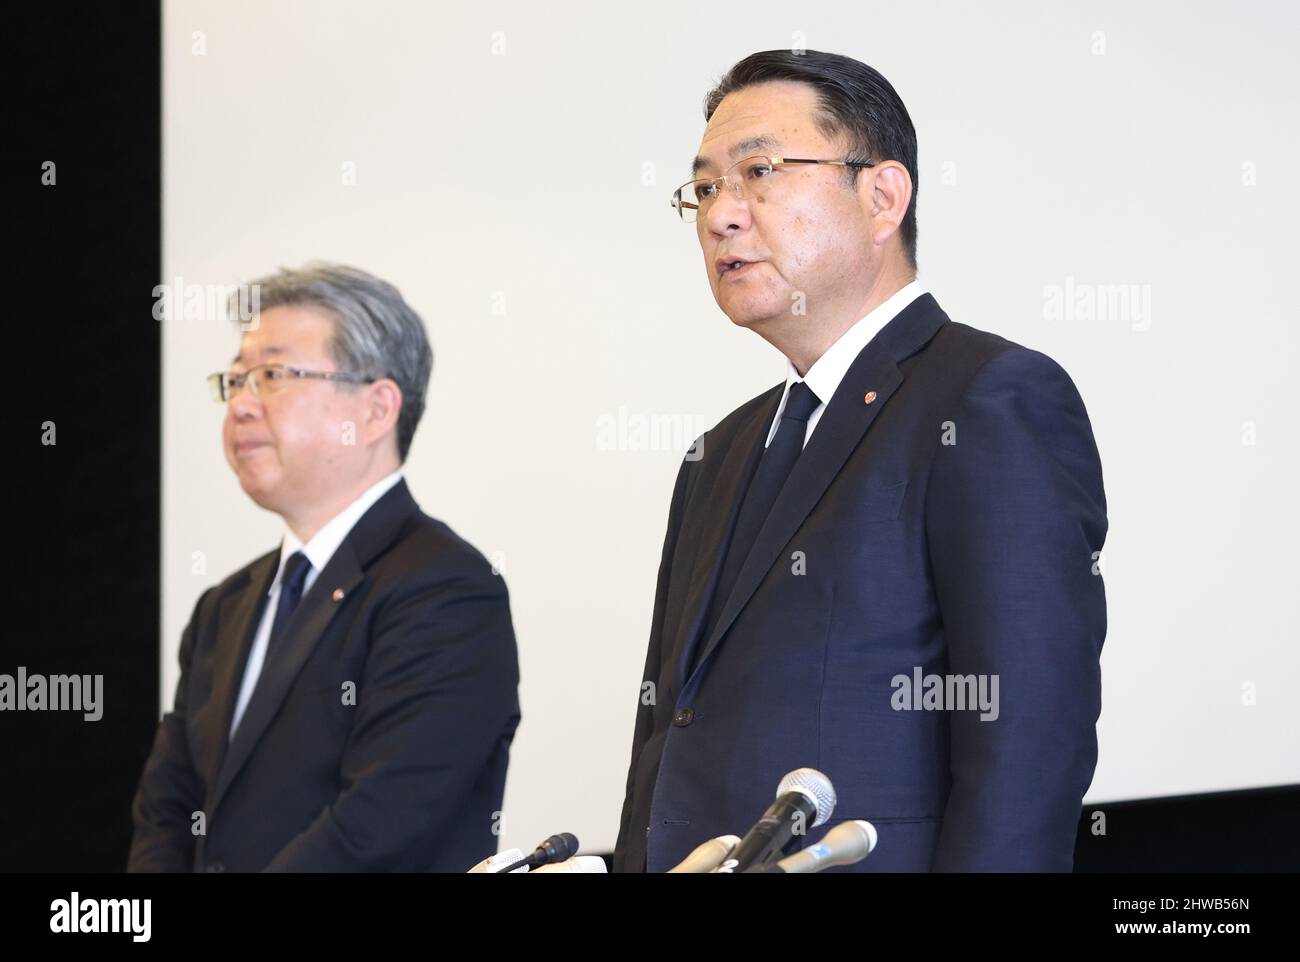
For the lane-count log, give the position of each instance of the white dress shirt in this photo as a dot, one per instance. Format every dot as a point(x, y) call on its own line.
point(318, 550)
point(824, 377)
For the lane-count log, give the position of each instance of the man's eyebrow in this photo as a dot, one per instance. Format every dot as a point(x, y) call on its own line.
point(272, 350)
point(739, 151)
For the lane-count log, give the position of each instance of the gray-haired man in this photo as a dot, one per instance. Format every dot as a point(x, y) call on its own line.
point(348, 700)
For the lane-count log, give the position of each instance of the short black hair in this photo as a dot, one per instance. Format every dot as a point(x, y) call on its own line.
point(857, 104)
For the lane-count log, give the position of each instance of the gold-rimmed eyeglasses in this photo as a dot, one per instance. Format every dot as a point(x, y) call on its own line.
point(755, 176)
point(268, 379)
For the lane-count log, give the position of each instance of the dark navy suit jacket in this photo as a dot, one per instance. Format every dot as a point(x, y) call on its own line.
point(889, 549)
point(408, 778)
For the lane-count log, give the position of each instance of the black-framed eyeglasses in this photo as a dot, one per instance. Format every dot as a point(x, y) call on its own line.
point(753, 175)
point(268, 379)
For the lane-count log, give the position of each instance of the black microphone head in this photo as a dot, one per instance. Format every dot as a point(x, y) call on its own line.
point(560, 847)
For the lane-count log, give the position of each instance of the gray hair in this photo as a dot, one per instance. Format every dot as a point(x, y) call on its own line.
point(376, 333)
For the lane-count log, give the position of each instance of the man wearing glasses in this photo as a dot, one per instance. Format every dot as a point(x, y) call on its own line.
point(884, 567)
point(348, 700)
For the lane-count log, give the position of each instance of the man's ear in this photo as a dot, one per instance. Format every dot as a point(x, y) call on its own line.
point(885, 191)
point(383, 407)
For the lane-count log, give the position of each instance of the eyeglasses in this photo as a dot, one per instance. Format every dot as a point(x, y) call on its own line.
point(755, 175)
point(266, 380)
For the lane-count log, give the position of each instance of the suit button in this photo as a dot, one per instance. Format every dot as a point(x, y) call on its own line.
point(684, 717)
point(216, 866)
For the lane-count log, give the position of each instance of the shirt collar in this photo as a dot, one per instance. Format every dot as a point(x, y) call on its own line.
point(326, 541)
point(824, 377)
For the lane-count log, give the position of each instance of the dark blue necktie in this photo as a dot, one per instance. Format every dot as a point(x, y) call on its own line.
point(292, 579)
point(773, 468)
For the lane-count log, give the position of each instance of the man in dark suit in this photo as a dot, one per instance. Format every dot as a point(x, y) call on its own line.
point(347, 701)
point(884, 568)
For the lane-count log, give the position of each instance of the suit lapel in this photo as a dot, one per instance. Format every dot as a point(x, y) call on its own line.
point(301, 636)
point(240, 611)
point(717, 525)
point(374, 532)
point(846, 419)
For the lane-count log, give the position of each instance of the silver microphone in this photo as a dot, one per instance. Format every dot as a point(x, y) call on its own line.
point(708, 856)
point(495, 863)
point(578, 864)
point(845, 844)
point(804, 795)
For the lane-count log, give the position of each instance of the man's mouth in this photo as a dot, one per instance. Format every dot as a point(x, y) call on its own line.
point(733, 267)
point(245, 448)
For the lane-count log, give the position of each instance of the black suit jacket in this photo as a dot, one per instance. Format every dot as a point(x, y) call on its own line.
point(944, 518)
point(409, 778)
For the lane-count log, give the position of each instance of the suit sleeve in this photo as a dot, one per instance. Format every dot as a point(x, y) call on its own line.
point(1015, 515)
point(170, 790)
point(440, 690)
point(654, 658)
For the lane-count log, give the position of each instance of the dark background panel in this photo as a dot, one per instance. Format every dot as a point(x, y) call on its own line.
point(1256, 830)
point(81, 89)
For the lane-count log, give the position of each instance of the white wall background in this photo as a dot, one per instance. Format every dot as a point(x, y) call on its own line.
point(522, 154)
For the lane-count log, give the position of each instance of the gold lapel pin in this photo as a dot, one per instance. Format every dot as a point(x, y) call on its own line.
point(338, 594)
point(868, 397)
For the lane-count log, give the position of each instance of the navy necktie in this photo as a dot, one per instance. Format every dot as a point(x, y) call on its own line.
point(291, 582)
point(774, 467)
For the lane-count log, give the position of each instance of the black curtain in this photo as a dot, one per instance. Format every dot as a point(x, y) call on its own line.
point(81, 368)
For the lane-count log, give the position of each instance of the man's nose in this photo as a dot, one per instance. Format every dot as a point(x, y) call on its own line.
point(243, 404)
point(728, 213)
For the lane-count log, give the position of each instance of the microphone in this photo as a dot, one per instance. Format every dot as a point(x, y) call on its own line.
point(492, 863)
point(555, 849)
point(579, 864)
point(845, 844)
point(803, 794)
point(706, 857)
